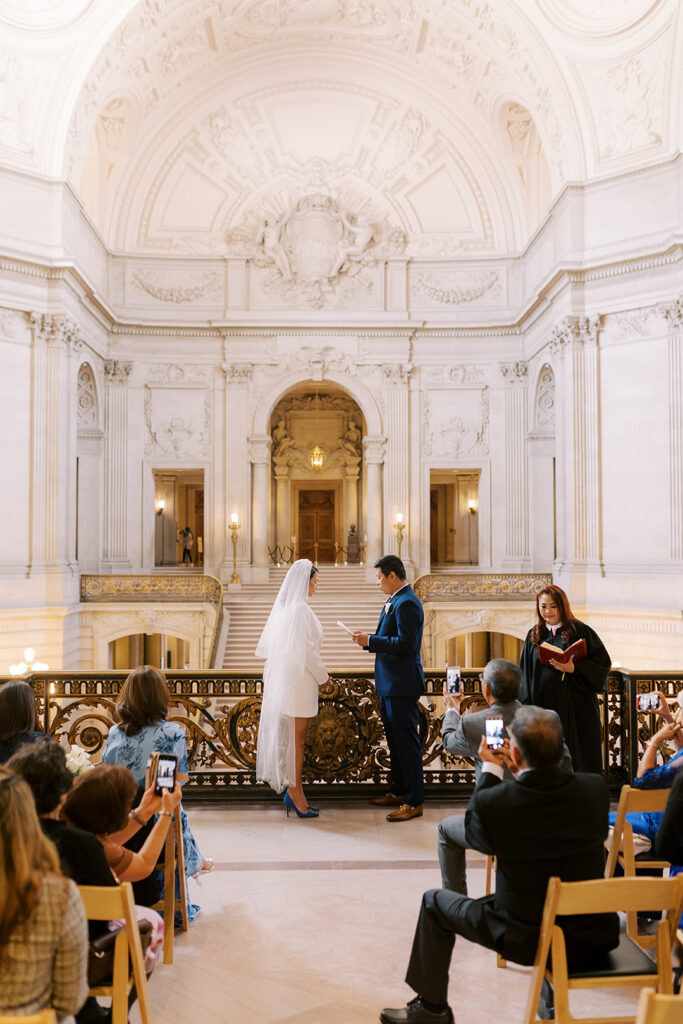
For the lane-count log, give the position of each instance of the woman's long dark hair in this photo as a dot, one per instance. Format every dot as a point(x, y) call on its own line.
point(562, 601)
point(143, 700)
point(17, 709)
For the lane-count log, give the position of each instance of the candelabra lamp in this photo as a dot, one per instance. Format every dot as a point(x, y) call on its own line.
point(399, 528)
point(234, 527)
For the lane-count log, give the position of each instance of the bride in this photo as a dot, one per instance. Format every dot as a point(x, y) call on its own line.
point(290, 644)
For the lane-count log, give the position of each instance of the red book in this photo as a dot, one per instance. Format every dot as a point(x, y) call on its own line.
point(548, 652)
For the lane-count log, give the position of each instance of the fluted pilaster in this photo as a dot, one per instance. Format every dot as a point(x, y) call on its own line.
point(116, 376)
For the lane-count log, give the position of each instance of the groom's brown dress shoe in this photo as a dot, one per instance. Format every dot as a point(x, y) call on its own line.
point(388, 800)
point(405, 812)
point(416, 1013)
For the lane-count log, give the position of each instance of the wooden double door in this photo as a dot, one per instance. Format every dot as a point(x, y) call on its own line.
point(316, 525)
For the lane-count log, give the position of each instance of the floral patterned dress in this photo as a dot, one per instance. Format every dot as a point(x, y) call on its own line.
point(133, 751)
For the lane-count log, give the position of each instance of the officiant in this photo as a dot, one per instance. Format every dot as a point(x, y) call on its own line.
point(570, 687)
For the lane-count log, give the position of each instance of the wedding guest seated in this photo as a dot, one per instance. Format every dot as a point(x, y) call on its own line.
point(650, 775)
point(43, 930)
point(546, 822)
point(501, 682)
point(17, 717)
point(101, 802)
point(142, 728)
point(42, 765)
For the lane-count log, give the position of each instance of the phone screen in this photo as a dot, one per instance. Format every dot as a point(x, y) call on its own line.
point(166, 772)
point(494, 732)
point(453, 678)
point(648, 701)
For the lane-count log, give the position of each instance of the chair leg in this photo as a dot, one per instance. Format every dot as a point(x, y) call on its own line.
point(180, 858)
point(169, 896)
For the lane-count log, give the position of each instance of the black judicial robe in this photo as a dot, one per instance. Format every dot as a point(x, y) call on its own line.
point(574, 697)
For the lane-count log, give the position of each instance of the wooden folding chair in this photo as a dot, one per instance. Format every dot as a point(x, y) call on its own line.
point(656, 1009)
point(44, 1017)
point(173, 855)
point(621, 848)
point(628, 964)
point(490, 875)
point(109, 903)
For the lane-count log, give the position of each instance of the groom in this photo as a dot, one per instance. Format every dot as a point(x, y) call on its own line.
point(399, 680)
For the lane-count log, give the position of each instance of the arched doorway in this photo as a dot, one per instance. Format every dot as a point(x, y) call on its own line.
point(475, 649)
point(317, 468)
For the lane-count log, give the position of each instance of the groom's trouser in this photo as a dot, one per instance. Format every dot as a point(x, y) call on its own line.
point(400, 718)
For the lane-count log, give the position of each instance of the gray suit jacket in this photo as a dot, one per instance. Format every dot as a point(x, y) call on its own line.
point(461, 734)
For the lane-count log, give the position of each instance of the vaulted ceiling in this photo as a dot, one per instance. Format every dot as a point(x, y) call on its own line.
point(184, 123)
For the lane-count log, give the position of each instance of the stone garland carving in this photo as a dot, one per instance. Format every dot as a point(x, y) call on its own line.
point(117, 371)
point(11, 321)
point(155, 286)
point(455, 374)
point(456, 437)
point(86, 398)
point(636, 321)
point(314, 362)
point(174, 436)
point(179, 375)
point(169, 587)
point(475, 586)
point(544, 404)
point(459, 288)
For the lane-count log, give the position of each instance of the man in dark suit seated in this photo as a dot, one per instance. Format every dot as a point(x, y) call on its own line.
point(546, 822)
point(500, 685)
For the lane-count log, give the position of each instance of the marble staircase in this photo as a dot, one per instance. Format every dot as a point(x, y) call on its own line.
point(343, 593)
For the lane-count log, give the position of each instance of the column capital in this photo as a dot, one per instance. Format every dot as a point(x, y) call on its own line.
point(374, 449)
point(116, 371)
point(56, 329)
point(399, 374)
point(574, 331)
point(237, 373)
point(514, 373)
point(673, 311)
point(259, 449)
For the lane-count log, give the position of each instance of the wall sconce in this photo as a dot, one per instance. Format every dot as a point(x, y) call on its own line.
point(29, 664)
point(472, 506)
point(161, 505)
point(399, 528)
point(234, 527)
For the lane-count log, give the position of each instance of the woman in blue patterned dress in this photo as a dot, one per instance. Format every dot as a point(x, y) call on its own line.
point(141, 711)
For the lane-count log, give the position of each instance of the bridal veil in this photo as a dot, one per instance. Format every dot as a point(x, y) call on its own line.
point(283, 645)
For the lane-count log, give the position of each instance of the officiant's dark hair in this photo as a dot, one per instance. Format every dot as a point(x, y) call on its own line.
point(562, 601)
point(391, 563)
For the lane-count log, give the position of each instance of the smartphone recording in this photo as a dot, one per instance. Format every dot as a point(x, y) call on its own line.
point(167, 768)
point(648, 702)
point(453, 678)
point(494, 732)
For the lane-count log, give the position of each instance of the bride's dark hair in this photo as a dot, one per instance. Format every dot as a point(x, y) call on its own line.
point(314, 569)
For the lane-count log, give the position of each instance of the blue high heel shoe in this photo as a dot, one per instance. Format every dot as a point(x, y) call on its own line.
point(312, 812)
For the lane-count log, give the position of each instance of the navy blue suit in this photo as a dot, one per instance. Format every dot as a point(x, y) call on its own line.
point(399, 680)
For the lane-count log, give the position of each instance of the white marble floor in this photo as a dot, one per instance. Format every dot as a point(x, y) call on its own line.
point(311, 922)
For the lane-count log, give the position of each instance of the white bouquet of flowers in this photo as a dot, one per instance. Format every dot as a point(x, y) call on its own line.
point(78, 760)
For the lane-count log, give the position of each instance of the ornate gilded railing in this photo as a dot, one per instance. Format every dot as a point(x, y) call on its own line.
point(345, 754)
point(173, 586)
point(487, 586)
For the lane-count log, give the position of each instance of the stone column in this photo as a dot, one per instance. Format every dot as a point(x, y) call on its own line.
point(674, 316)
point(115, 554)
point(282, 502)
point(374, 457)
point(575, 339)
point(237, 495)
point(351, 473)
point(259, 453)
point(516, 482)
point(53, 453)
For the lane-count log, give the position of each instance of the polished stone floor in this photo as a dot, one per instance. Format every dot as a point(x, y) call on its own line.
point(311, 922)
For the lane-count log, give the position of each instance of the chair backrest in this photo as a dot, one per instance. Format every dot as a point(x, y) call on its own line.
point(607, 895)
point(44, 1017)
point(658, 1009)
point(631, 801)
point(105, 902)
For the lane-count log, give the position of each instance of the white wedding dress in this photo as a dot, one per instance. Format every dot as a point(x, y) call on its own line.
point(290, 643)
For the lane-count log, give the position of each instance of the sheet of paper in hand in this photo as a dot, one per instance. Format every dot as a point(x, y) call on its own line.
point(342, 626)
point(548, 652)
